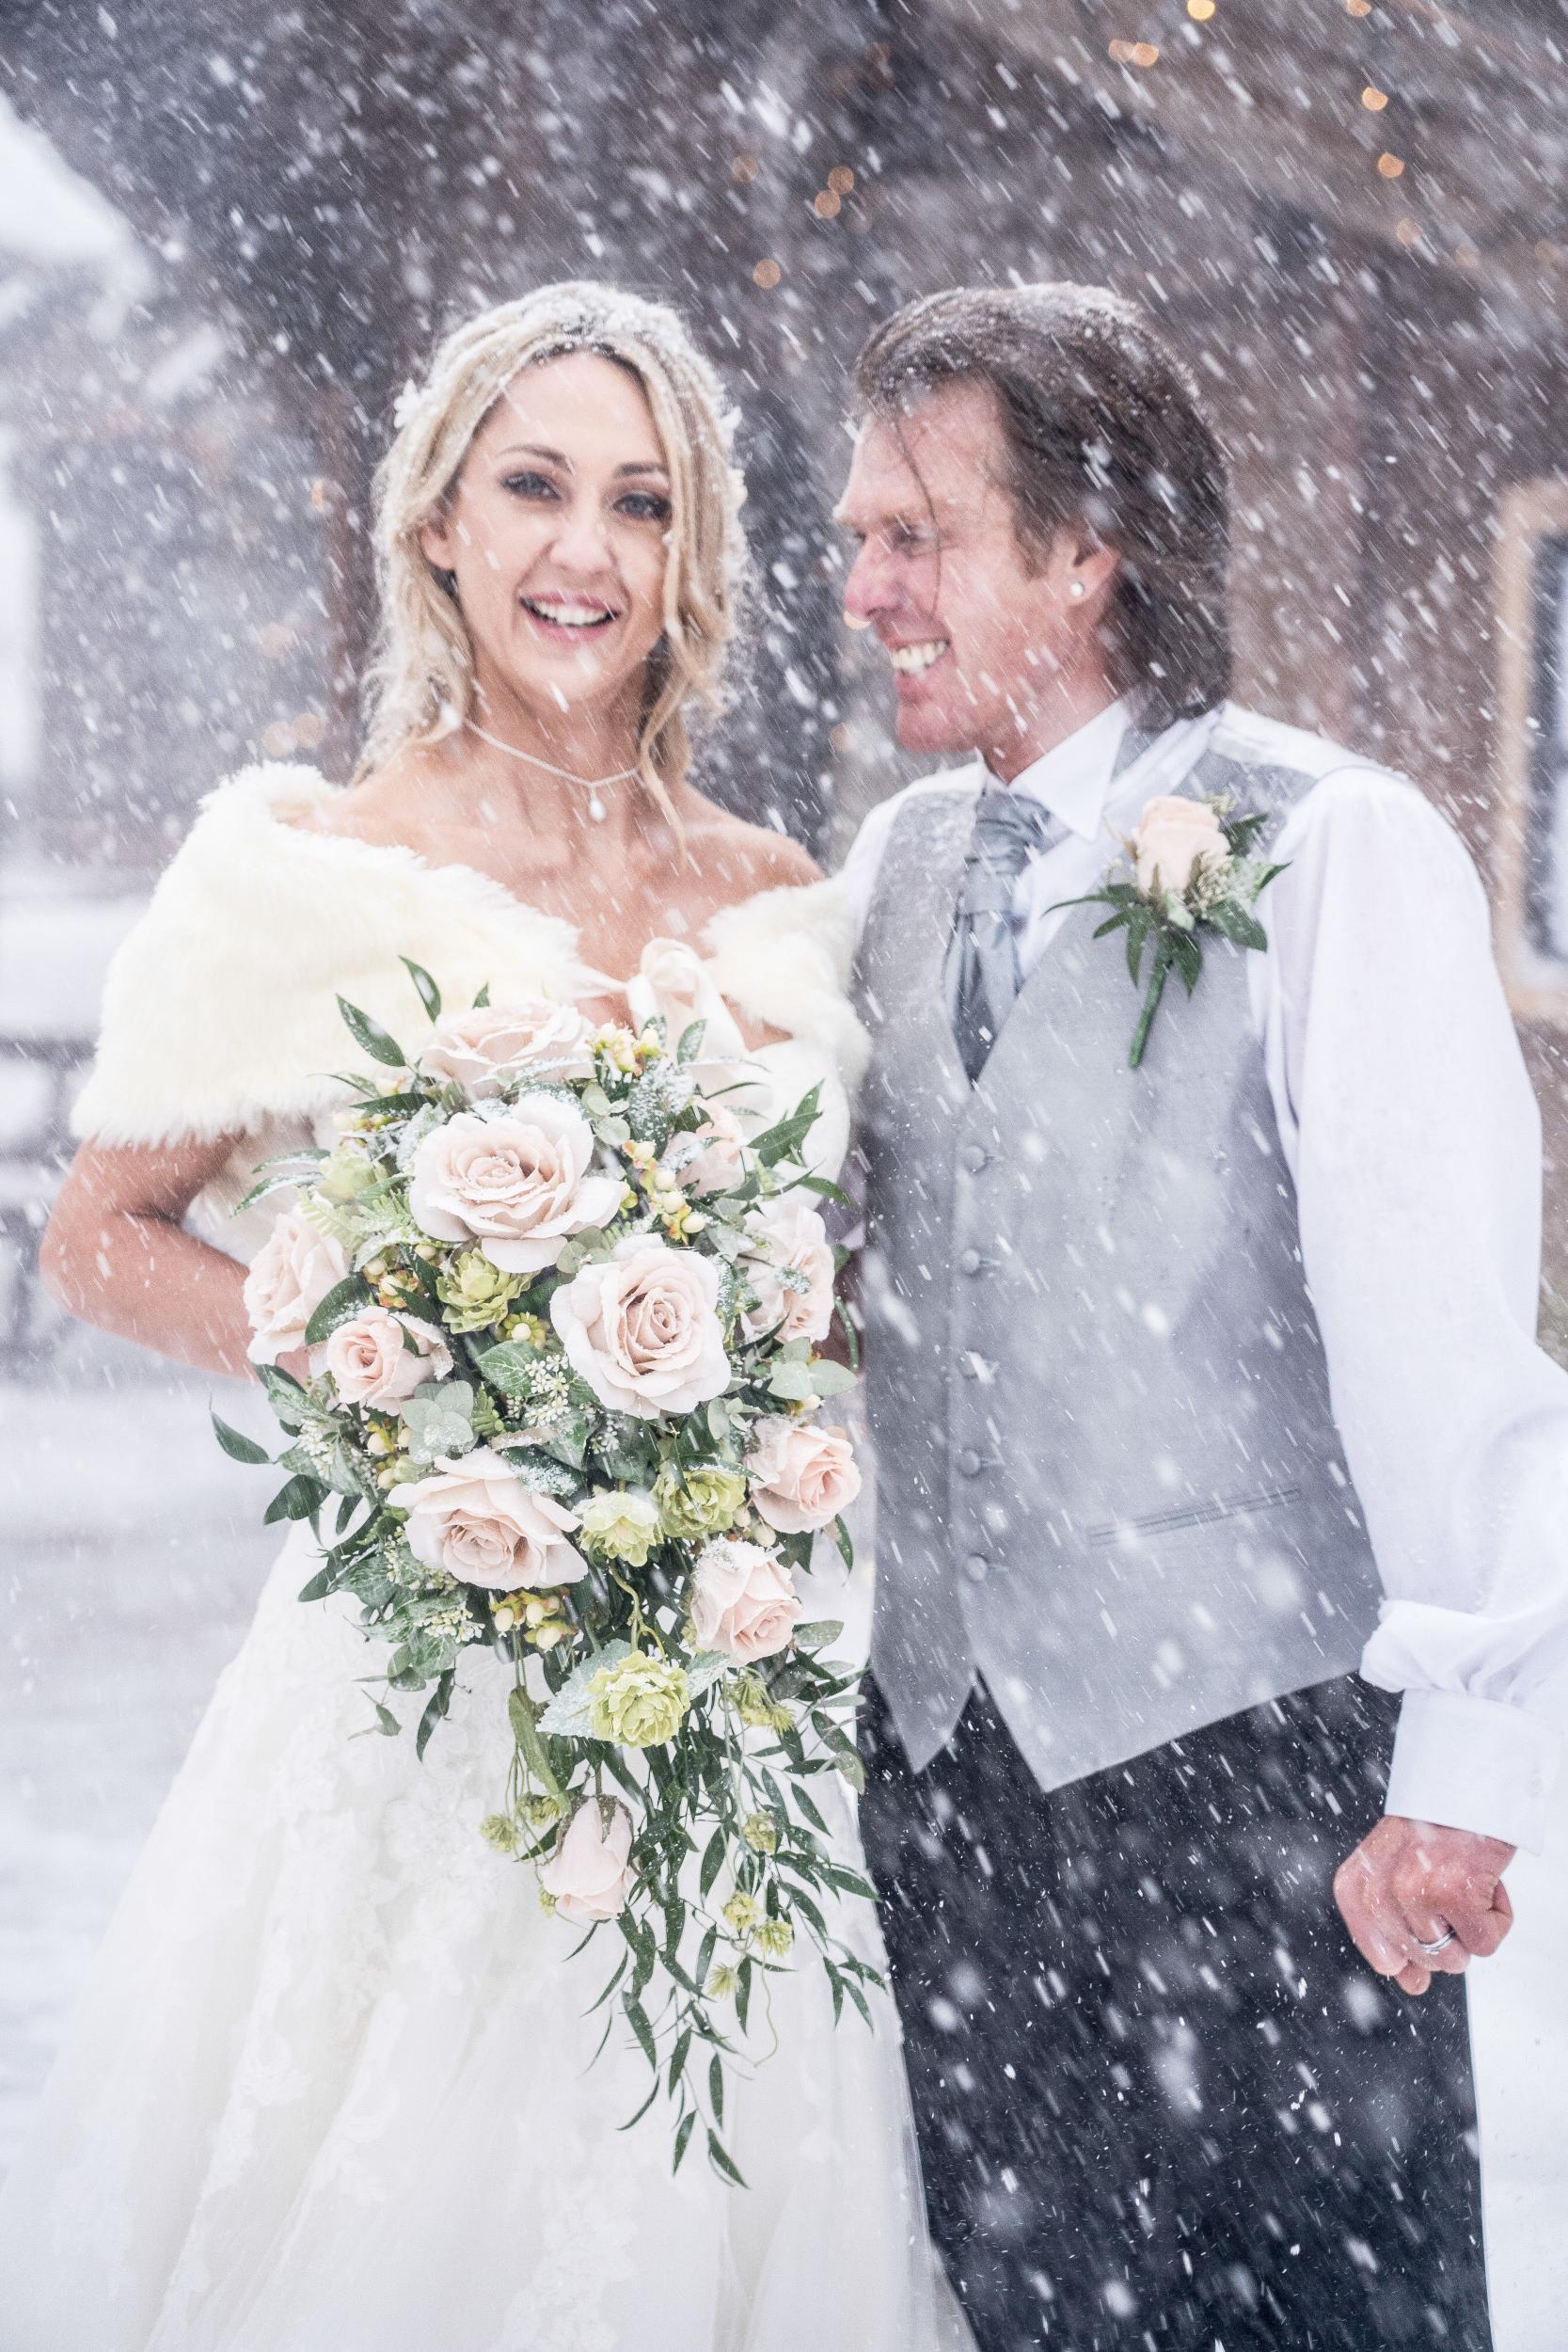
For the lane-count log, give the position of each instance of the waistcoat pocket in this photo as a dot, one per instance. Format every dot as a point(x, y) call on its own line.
point(1179, 1517)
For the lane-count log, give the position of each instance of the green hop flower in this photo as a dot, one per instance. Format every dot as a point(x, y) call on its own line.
point(620, 1523)
point(499, 1831)
point(761, 1832)
point(640, 1702)
point(744, 1914)
point(702, 1503)
point(540, 1811)
point(755, 1704)
point(722, 1982)
point(345, 1175)
point(774, 1937)
point(474, 1292)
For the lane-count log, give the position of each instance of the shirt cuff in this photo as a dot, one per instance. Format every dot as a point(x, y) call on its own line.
point(1475, 1764)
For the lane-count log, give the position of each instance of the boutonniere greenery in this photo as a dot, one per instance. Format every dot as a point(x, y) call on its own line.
point(1192, 870)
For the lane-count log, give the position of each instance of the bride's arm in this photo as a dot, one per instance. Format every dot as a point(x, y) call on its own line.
point(115, 1253)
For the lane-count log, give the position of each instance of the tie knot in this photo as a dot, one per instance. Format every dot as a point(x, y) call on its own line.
point(1009, 829)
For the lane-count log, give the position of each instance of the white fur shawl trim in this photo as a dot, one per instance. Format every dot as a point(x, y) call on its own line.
point(783, 956)
point(219, 1008)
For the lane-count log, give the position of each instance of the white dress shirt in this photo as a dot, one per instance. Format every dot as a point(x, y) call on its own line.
point(1413, 1140)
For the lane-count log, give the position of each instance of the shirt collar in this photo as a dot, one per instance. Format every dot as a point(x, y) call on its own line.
point(1073, 779)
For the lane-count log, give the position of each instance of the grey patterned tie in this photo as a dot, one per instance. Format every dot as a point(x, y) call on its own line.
point(980, 971)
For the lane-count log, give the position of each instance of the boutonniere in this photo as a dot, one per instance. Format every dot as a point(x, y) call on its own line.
point(1192, 870)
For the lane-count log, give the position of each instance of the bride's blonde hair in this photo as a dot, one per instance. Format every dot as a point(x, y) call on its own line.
point(421, 681)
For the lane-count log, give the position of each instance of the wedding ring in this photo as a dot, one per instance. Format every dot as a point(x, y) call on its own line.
point(1429, 1951)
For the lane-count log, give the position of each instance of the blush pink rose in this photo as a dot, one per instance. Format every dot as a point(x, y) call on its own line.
point(1174, 838)
point(369, 1364)
point(590, 1873)
point(480, 1049)
point(641, 1328)
point(520, 1183)
point(476, 1520)
point(290, 1275)
point(786, 1239)
point(673, 983)
point(718, 1157)
point(801, 1476)
point(742, 1601)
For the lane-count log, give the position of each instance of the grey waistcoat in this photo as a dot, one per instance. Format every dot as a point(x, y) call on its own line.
point(1108, 1477)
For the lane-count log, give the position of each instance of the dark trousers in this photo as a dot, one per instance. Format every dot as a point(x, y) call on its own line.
point(1162, 2105)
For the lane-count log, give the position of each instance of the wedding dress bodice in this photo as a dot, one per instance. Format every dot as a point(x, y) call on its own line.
point(220, 1016)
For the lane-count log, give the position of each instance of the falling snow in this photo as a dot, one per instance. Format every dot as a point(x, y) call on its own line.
point(224, 249)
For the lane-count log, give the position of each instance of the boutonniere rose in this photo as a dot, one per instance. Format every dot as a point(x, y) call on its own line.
point(1192, 870)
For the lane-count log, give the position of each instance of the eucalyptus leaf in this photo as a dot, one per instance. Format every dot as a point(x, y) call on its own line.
point(430, 995)
point(297, 1500)
point(704, 1670)
point(343, 1301)
point(439, 1701)
point(376, 1041)
point(525, 1718)
point(781, 1140)
point(1234, 923)
point(713, 1862)
point(723, 2162)
point(511, 1367)
point(828, 1191)
point(1186, 954)
point(285, 1395)
point(238, 1447)
point(637, 2019)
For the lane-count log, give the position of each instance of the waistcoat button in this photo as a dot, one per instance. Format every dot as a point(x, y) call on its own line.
point(974, 1157)
point(969, 1463)
point(976, 1567)
point(971, 1261)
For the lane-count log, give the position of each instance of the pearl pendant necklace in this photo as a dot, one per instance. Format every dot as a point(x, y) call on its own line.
point(593, 786)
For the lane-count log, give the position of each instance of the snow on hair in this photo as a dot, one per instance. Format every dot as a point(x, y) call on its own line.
point(421, 684)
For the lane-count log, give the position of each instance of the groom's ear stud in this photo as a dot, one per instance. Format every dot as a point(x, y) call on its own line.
point(1075, 589)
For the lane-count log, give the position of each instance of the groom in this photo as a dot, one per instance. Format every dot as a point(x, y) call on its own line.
point(1195, 1389)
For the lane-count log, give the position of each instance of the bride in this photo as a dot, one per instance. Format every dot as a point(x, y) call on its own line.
point(330, 2085)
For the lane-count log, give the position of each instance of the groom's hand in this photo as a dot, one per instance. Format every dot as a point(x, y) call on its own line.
point(1407, 1882)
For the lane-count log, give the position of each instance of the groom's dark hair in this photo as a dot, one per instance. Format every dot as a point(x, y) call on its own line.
point(1103, 429)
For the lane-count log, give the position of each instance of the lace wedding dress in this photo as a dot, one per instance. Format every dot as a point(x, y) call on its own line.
point(330, 2085)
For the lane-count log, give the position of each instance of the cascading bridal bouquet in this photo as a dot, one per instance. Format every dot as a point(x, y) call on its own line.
point(1192, 868)
point(562, 1318)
